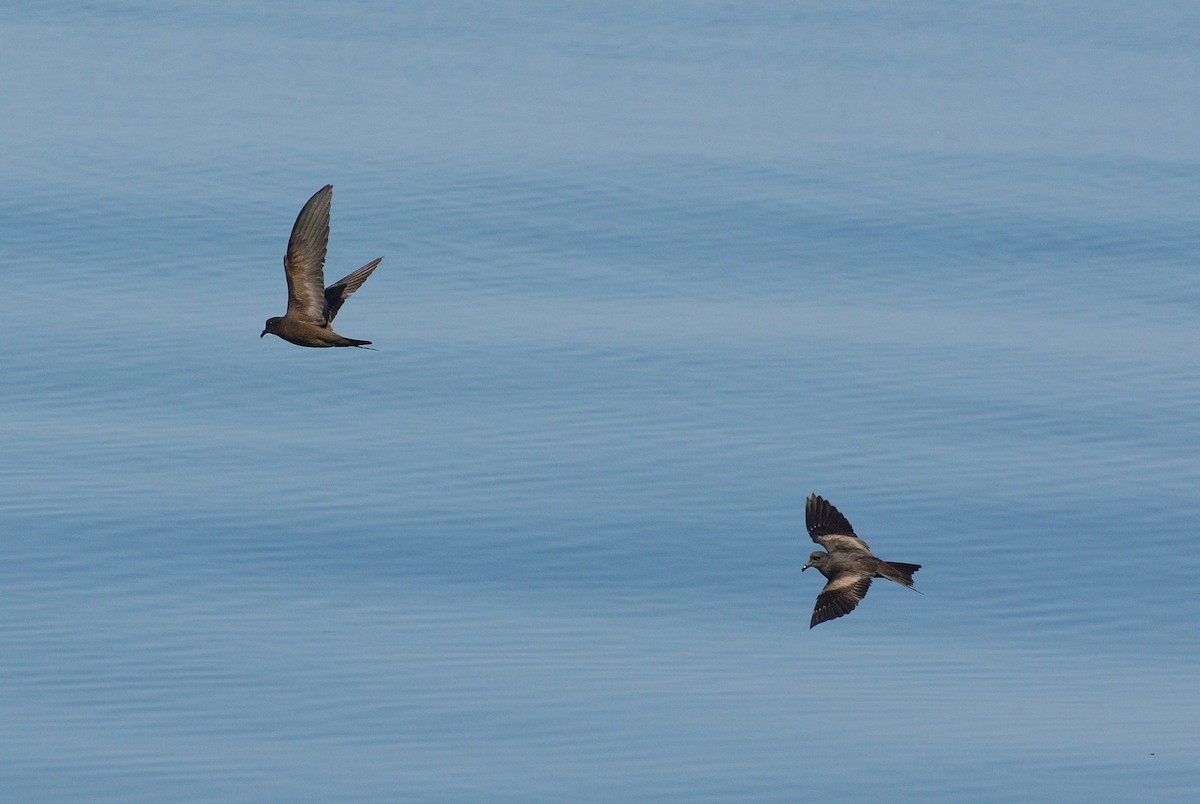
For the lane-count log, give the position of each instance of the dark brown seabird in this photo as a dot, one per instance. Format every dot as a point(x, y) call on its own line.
point(312, 306)
point(848, 564)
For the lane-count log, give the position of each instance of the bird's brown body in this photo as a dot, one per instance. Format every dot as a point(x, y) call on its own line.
point(847, 563)
point(311, 306)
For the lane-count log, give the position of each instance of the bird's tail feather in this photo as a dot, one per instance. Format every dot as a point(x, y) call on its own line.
point(898, 571)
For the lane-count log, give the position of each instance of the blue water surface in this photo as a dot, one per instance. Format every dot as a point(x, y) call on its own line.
point(652, 274)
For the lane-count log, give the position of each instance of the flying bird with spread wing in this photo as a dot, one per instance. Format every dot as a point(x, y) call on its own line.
point(312, 306)
point(847, 563)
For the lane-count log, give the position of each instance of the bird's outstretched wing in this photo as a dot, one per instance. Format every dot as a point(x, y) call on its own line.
point(829, 528)
point(304, 263)
point(839, 597)
point(339, 291)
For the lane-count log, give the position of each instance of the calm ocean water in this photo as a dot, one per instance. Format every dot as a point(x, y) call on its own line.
point(651, 276)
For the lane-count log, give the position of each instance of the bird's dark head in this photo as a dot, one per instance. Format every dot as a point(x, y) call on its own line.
point(272, 326)
point(815, 559)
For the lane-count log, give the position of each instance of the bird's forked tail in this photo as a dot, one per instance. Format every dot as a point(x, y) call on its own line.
point(898, 571)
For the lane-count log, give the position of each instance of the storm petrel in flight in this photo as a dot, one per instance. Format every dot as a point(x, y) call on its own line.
point(311, 305)
point(847, 563)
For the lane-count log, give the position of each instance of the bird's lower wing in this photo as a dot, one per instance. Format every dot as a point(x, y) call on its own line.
point(839, 597)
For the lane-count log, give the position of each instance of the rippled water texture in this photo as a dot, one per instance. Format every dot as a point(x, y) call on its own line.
point(652, 274)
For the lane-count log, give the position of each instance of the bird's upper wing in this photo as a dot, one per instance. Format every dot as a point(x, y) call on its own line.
point(829, 528)
point(839, 597)
point(304, 263)
point(340, 290)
